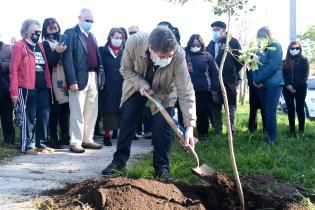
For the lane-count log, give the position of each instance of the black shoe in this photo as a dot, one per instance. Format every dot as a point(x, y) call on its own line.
point(112, 170)
point(135, 137)
point(164, 175)
point(107, 141)
point(115, 134)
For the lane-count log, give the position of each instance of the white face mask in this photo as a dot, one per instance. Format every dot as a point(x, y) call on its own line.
point(195, 49)
point(162, 62)
point(294, 52)
point(116, 42)
point(216, 35)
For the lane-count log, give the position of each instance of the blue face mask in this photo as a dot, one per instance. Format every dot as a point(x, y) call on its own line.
point(87, 25)
point(216, 35)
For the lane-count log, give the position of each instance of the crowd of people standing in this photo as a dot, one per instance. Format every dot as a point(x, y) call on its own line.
point(60, 89)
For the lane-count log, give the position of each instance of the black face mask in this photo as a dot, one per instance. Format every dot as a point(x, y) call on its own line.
point(54, 36)
point(35, 37)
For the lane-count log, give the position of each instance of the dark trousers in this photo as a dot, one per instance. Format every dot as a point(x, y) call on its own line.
point(269, 98)
point(6, 117)
point(216, 110)
point(147, 120)
point(299, 98)
point(254, 105)
point(162, 134)
point(59, 115)
point(37, 116)
point(203, 101)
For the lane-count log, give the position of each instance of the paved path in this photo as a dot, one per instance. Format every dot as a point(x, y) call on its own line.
point(24, 177)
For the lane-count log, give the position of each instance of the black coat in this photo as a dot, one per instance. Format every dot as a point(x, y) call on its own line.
point(110, 96)
point(298, 74)
point(231, 67)
point(75, 59)
point(52, 56)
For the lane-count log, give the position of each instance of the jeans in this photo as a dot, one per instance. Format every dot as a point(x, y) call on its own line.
point(162, 133)
point(299, 98)
point(269, 98)
point(37, 116)
point(146, 120)
point(6, 109)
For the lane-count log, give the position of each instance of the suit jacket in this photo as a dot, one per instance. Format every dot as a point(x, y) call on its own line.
point(75, 58)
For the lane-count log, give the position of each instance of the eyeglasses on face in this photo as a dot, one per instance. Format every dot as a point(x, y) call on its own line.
point(132, 32)
point(89, 21)
point(295, 48)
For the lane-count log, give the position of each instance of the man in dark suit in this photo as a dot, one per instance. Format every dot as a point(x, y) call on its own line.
point(230, 73)
point(82, 66)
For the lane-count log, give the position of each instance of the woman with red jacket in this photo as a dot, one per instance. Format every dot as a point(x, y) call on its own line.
point(30, 86)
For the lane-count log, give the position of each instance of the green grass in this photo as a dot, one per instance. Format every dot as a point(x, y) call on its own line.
point(292, 159)
point(7, 150)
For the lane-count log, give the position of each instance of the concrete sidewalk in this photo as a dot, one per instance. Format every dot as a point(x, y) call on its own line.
point(24, 177)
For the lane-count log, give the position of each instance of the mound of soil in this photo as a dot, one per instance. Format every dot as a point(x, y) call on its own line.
point(260, 191)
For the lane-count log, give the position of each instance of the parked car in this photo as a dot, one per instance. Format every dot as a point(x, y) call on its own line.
point(309, 100)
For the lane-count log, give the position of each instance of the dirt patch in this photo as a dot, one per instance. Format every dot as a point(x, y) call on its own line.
point(261, 192)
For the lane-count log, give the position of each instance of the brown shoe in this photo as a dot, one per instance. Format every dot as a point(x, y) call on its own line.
point(45, 149)
point(31, 152)
point(91, 145)
point(76, 149)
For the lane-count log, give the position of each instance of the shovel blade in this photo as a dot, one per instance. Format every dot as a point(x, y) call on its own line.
point(203, 171)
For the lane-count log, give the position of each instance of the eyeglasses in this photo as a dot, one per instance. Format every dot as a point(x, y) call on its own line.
point(132, 32)
point(295, 48)
point(37, 32)
point(89, 21)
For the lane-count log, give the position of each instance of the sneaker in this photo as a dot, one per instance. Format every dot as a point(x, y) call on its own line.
point(31, 151)
point(91, 145)
point(164, 175)
point(138, 135)
point(112, 170)
point(76, 148)
point(106, 141)
point(45, 149)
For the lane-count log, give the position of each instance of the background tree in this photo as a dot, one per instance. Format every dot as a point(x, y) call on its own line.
point(308, 41)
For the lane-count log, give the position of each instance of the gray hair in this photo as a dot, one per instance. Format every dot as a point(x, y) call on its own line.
point(27, 26)
point(264, 32)
point(85, 11)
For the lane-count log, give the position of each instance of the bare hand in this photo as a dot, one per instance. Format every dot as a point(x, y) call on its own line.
point(14, 99)
point(146, 88)
point(74, 88)
point(60, 48)
point(291, 88)
point(258, 85)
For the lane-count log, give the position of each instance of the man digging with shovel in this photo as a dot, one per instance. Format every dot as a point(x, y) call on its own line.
point(153, 64)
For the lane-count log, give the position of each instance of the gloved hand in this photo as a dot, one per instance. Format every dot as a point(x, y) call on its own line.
point(189, 138)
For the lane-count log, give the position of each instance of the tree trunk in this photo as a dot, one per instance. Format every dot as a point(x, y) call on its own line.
point(228, 123)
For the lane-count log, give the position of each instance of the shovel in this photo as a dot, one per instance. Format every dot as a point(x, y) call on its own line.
point(201, 170)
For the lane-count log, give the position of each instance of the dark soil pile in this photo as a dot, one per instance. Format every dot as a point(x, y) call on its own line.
point(261, 192)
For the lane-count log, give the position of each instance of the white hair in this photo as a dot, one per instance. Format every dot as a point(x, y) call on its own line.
point(27, 25)
point(85, 11)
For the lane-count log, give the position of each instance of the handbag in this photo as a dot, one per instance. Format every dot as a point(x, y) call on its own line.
point(59, 84)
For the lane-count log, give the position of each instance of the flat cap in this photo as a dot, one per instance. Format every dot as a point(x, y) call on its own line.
point(218, 24)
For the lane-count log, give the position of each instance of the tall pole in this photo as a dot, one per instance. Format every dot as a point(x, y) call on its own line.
point(292, 20)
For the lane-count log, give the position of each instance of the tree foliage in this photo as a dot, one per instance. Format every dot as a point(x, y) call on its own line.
point(308, 41)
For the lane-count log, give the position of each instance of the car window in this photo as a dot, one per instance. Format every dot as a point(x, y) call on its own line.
point(311, 84)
